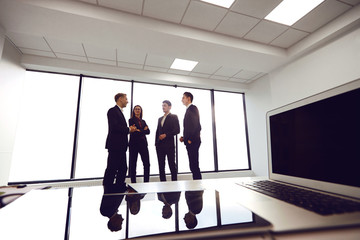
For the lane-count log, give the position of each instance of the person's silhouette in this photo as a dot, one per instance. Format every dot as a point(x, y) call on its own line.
point(194, 200)
point(168, 198)
point(110, 203)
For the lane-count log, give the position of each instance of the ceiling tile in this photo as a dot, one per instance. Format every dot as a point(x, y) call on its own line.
point(37, 52)
point(168, 10)
point(265, 31)
point(237, 25)
point(288, 38)
point(129, 65)
point(71, 57)
point(102, 61)
point(203, 16)
point(239, 80)
point(245, 74)
point(219, 77)
point(206, 68)
point(158, 61)
point(131, 6)
point(61, 46)
point(28, 41)
point(100, 52)
point(130, 56)
point(255, 8)
point(259, 75)
point(226, 71)
point(324, 13)
point(178, 72)
point(155, 69)
point(202, 75)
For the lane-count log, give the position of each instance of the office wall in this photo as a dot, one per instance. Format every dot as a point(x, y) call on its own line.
point(11, 78)
point(329, 66)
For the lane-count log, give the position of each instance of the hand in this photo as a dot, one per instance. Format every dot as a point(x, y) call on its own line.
point(146, 128)
point(189, 142)
point(162, 136)
point(181, 139)
point(133, 128)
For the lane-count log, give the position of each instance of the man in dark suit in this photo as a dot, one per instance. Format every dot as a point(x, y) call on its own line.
point(117, 143)
point(191, 135)
point(168, 127)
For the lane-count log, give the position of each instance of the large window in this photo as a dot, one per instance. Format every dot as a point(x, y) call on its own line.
point(230, 131)
point(202, 100)
point(44, 145)
point(45, 134)
point(97, 98)
point(150, 98)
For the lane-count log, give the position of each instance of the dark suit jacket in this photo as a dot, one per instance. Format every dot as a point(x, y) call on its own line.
point(169, 197)
point(194, 200)
point(171, 127)
point(117, 138)
point(138, 137)
point(110, 204)
point(192, 125)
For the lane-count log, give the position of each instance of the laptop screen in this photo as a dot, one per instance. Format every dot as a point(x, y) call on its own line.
point(318, 138)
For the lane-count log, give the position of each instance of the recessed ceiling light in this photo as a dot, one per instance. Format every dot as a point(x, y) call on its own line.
point(221, 3)
point(289, 12)
point(182, 64)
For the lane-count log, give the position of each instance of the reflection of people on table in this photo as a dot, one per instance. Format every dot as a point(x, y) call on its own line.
point(194, 200)
point(109, 208)
point(133, 200)
point(138, 144)
point(168, 198)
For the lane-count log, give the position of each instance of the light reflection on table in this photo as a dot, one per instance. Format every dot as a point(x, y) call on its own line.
point(42, 214)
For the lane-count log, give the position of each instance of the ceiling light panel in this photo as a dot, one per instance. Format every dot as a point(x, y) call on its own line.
point(182, 64)
point(289, 12)
point(221, 3)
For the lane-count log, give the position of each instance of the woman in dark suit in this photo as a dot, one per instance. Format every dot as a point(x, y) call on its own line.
point(138, 144)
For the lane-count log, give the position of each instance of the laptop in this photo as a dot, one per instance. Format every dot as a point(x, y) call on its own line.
point(313, 146)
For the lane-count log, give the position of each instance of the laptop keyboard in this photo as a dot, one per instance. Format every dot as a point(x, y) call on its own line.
point(313, 201)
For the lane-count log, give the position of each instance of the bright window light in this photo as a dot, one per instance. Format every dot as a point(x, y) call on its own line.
point(289, 12)
point(184, 65)
point(221, 3)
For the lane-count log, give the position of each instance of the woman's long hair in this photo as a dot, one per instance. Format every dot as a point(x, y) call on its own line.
point(141, 112)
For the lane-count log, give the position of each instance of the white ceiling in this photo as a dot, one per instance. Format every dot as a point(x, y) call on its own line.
point(233, 45)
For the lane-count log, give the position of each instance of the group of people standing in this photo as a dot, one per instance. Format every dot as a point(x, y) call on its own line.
point(168, 126)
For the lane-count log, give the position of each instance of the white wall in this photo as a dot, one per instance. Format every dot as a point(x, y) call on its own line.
point(11, 79)
point(327, 67)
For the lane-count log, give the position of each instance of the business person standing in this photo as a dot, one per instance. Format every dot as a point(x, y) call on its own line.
point(116, 144)
point(168, 127)
point(191, 135)
point(138, 144)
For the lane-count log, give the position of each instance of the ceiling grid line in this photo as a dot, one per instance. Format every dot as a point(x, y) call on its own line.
point(47, 43)
point(187, 7)
point(83, 47)
point(143, 67)
point(214, 30)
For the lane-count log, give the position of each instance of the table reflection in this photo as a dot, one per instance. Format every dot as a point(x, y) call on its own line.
point(173, 212)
